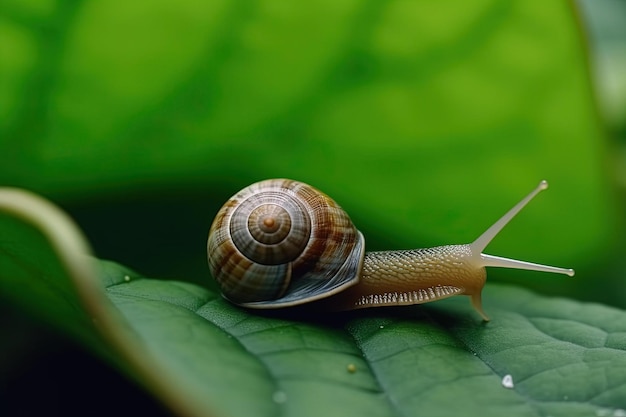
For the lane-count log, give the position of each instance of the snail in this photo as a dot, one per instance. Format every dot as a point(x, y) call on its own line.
point(281, 243)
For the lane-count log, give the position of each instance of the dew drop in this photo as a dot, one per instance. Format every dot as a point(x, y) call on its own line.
point(126, 278)
point(507, 381)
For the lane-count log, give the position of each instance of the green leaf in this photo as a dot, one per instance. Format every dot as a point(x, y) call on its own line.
point(201, 355)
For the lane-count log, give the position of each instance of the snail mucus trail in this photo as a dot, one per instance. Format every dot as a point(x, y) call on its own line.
point(281, 243)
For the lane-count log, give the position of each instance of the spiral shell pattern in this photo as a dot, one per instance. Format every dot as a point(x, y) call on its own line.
point(280, 243)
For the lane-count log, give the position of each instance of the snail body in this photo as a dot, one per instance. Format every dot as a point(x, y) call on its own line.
point(280, 243)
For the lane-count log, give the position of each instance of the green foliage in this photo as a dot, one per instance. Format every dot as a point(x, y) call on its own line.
point(425, 120)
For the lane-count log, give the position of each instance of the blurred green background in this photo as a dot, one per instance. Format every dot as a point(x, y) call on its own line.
point(425, 121)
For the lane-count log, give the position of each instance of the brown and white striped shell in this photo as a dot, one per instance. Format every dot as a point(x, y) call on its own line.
point(279, 243)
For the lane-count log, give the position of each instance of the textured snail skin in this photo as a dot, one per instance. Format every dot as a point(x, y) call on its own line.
point(391, 278)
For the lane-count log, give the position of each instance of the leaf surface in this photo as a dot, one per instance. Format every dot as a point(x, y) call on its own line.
point(201, 355)
point(565, 358)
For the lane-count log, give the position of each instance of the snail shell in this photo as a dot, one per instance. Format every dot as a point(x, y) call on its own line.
point(280, 243)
